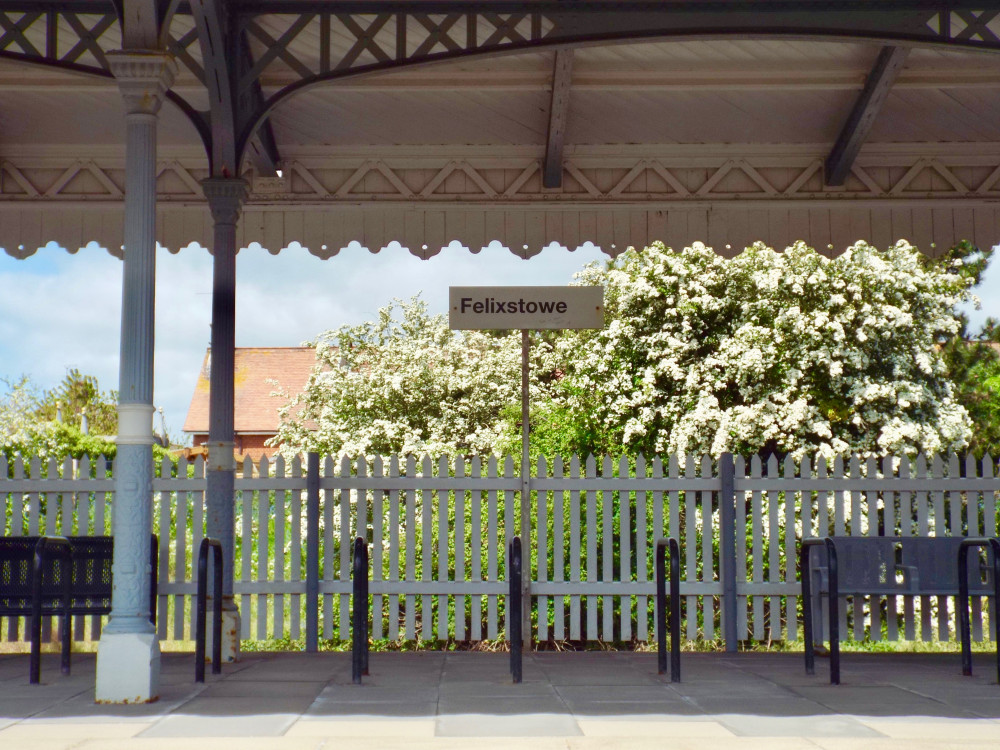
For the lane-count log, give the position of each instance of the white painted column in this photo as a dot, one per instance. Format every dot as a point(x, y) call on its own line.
point(128, 655)
point(225, 199)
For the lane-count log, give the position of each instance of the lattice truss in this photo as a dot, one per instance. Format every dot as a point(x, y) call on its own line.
point(296, 48)
point(515, 180)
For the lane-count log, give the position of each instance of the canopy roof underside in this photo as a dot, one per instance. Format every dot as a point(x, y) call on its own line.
point(723, 140)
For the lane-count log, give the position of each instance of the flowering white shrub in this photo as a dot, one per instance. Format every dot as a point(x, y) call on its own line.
point(792, 352)
point(410, 385)
point(18, 425)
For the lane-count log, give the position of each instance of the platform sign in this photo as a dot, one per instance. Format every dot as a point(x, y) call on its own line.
point(478, 308)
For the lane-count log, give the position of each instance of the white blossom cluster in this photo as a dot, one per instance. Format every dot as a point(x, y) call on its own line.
point(407, 384)
point(769, 351)
point(21, 432)
point(16, 423)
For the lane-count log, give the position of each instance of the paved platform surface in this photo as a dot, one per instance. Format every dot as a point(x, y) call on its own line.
point(466, 700)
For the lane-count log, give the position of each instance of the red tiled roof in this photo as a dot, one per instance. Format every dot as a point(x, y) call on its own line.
point(259, 372)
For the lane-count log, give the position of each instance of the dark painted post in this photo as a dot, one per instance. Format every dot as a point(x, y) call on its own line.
point(727, 548)
point(225, 200)
point(312, 552)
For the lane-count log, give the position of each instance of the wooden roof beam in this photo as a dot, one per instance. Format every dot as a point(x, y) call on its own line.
point(562, 75)
point(884, 73)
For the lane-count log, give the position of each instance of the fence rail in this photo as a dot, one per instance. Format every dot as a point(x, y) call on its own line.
point(439, 529)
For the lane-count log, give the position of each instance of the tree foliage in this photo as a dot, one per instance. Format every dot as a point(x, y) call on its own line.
point(790, 352)
point(405, 383)
point(26, 429)
point(80, 395)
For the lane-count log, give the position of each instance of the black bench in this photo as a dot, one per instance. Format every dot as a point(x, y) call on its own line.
point(893, 566)
point(34, 583)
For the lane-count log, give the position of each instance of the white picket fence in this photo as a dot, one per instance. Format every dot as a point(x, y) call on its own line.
point(439, 529)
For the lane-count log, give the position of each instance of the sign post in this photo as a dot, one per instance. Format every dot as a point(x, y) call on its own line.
point(526, 308)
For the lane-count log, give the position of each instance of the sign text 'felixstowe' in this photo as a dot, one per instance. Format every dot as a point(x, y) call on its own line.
point(525, 307)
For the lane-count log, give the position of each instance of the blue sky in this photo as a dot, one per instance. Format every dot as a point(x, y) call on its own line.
point(60, 311)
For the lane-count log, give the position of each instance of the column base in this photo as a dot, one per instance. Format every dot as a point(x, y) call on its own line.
point(128, 668)
point(231, 624)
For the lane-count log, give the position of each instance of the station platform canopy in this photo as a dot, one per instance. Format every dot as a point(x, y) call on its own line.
point(424, 122)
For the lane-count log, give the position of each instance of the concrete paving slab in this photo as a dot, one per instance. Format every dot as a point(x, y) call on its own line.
point(690, 743)
point(489, 688)
point(641, 726)
point(239, 706)
point(970, 730)
point(987, 708)
point(251, 688)
point(35, 730)
point(350, 726)
point(878, 743)
point(375, 694)
point(410, 709)
point(642, 693)
point(83, 707)
point(663, 710)
point(518, 725)
point(501, 706)
point(215, 743)
point(754, 725)
point(13, 708)
point(587, 676)
point(222, 725)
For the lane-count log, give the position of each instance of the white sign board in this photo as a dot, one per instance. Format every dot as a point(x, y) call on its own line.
point(477, 308)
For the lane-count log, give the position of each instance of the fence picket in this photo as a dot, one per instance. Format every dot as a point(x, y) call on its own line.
point(329, 549)
point(941, 529)
point(743, 601)
point(574, 552)
point(493, 533)
point(641, 559)
point(181, 557)
point(394, 499)
point(459, 532)
point(757, 531)
point(346, 470)
point(591, 602)
point(427, 507)
point(475, 551)
point(442, 552)
point(790, 544)
point(872, 528)
point(411, 549)
point(542, 547)
point(264, 534)
point(377, 562)
point(773, 550)
point(163, 573)
point(607, 552)
point(558, 547)
point(295, 551)
point(972, 529)
point(245, 538)
point(707, 551)
point(990, 529)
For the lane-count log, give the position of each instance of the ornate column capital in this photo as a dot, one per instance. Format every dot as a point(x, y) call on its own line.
point(143, 78)
point(226, 196)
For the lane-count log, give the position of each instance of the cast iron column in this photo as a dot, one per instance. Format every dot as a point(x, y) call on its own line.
point(128, 658)
point(225, 199)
